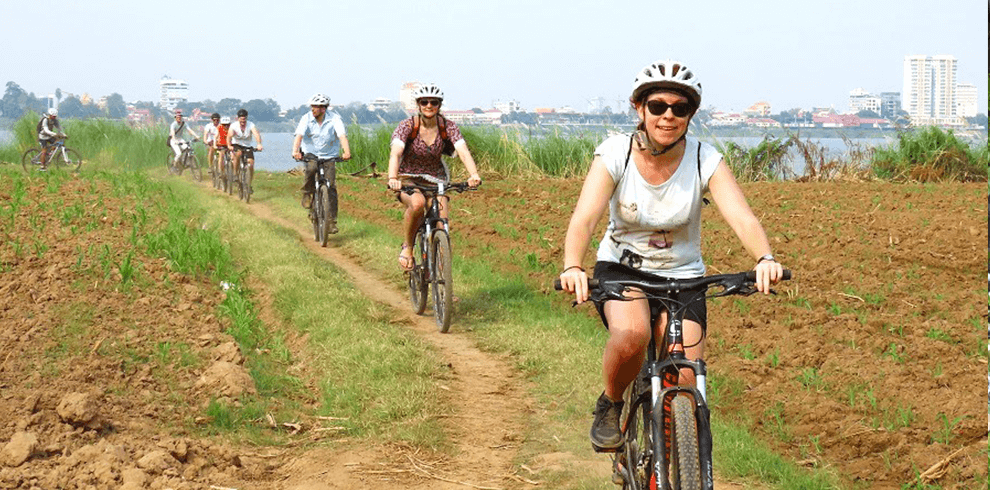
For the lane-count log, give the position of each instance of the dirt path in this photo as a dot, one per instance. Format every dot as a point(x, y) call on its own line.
point(487, 398)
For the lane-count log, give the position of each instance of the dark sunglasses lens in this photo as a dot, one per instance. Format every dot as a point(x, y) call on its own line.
point(659, 108)
point(426, 102)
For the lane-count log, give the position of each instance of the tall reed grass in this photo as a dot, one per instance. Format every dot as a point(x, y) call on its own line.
point(931, 155)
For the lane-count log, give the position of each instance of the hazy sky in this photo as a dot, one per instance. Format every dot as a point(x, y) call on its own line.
point(547, 53)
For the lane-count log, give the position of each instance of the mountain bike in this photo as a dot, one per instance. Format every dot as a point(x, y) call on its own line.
point(323, 210)
point(667, 427)
point(431, 255)
point(187, 160)
point(243, 174)
point(58, 156)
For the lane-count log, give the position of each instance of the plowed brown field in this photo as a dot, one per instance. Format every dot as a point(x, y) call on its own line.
point(873, 362)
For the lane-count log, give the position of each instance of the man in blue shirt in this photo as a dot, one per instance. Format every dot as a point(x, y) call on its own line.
point(322, 135)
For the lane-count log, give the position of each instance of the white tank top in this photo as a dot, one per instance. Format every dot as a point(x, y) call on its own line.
point(656, 228)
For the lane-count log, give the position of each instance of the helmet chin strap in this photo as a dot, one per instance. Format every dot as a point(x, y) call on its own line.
point(643, 137)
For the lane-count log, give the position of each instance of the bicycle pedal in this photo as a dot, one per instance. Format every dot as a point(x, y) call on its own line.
point(606, 450)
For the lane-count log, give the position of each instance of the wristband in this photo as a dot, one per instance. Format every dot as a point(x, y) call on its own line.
point(766, 257)
point(572, 267)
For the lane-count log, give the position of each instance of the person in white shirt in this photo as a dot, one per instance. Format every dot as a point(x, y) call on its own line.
point(239, 142)
point(175, 133)
point(321, 134)
point(653, 182)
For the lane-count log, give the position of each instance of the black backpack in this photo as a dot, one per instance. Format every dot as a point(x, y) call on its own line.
point(448, 146)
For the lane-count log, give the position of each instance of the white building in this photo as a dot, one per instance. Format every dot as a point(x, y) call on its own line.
point(507, 107)
point(379, 104)
point(966, 100)
point(929, 89)
point(861, 100)
point(173, 92)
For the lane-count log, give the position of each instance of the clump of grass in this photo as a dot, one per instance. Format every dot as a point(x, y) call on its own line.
point(931, 155)
point(766, 161)
point(819, 167)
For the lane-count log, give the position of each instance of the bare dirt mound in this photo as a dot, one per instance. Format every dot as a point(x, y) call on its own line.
point(99, 374)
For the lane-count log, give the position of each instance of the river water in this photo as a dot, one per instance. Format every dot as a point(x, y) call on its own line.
point(277, 156)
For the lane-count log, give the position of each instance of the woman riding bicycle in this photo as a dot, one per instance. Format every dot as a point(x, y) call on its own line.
point(417, 146)
point(653, 182)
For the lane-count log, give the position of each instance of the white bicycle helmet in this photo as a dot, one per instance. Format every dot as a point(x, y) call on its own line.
point(428, 90)
point(668, 74)
point(225, 120)
point(319, 99)
point(53, 112)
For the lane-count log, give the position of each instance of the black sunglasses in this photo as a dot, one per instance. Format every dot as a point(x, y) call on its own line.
point(659, 108)
point(426, 102)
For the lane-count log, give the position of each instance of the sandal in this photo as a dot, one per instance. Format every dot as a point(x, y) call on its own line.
point(406, 262)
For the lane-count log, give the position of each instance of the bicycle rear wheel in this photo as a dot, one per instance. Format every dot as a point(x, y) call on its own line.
point(323, 197)
point(685, 470)
point(443, 284)
point(635, 462)
point(418, 286)
point(30, 159)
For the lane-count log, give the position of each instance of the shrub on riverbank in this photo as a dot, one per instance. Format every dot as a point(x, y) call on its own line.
point(931, 155)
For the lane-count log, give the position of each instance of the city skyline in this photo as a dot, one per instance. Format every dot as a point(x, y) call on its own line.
point(550, 54)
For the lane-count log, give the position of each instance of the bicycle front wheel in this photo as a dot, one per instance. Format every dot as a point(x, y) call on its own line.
point(30, 159)
point(229, 173)
point(193, 163)
point(685, 470)
point(443, 284)
point(418, 286)
point(323, 198)
point(67, 158)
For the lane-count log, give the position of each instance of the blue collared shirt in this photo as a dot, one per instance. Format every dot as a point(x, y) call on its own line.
point(322, 140)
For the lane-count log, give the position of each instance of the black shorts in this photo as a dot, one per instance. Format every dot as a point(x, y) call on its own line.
point(247, 152)
point(697, 311)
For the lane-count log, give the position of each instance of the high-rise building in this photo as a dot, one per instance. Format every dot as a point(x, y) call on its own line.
point(406, 96)
point(929, 89)
point(890, 104)
point(173, 92)
point(966, 100)
point(861, 100)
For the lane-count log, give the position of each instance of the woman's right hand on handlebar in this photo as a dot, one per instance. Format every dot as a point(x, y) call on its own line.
point(394, 183)
point(575, 280)
point(297, 155)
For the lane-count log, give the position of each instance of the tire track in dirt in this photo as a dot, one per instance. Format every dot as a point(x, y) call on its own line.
point(486, 394)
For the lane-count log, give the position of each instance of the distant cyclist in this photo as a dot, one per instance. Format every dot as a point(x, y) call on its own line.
point(239, 142)
point(49, 130)
point(417, 146)
point(220, 142)
point(175, 132)
point(323, 135)
point(209, 136)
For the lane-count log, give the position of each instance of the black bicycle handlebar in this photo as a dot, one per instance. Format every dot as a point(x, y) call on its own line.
point(670, 285)
point(454, 186)
point(309, 157)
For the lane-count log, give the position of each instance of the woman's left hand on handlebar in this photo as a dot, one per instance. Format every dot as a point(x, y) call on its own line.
point(768, 272)
point(346, 155)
